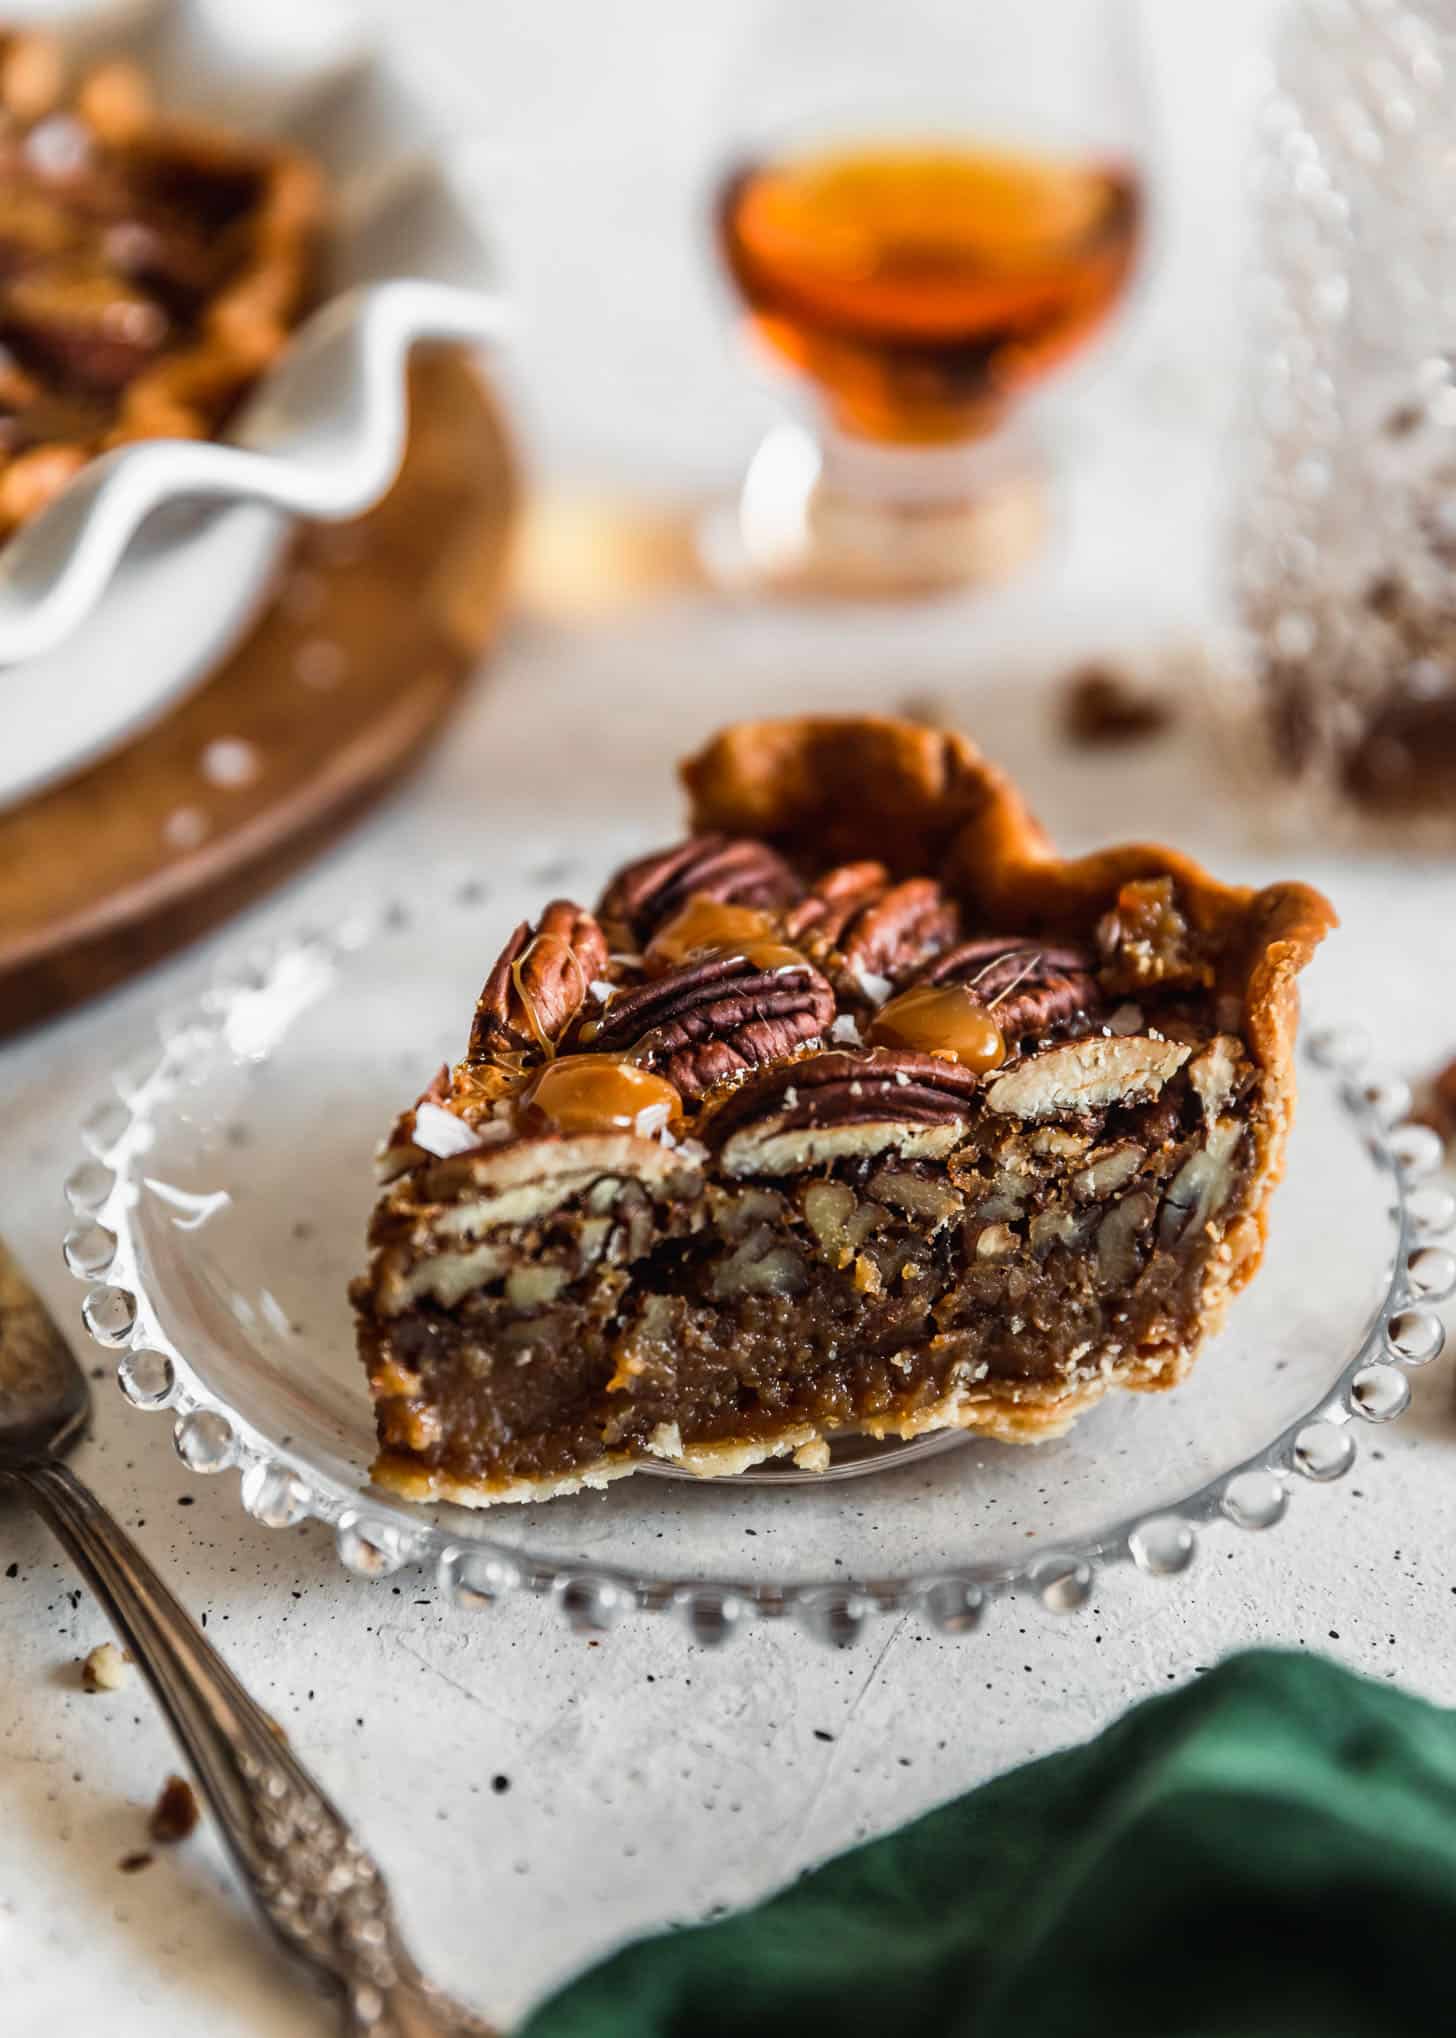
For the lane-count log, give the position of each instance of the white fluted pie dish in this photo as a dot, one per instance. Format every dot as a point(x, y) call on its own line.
point(137, 579)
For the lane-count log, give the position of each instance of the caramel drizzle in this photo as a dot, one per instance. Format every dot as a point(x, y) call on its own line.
point(1032, 963)
point(542, 1038)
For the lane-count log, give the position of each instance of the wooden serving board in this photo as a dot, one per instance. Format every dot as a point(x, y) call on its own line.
point(365, 646)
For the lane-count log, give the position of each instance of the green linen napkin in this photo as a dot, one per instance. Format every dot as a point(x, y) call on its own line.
point(1269, 1851)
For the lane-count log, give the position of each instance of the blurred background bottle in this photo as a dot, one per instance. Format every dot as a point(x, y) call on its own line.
point(1345, 550)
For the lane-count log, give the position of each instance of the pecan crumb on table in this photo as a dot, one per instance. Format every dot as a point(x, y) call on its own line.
point(1100, 705)
point(107, 1668)
point(174, 1815)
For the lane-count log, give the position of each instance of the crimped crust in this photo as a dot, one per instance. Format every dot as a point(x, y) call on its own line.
point(922, 799)
point(824, 795)
point(94, 181)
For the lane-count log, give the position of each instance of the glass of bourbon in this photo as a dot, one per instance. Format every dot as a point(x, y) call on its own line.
point(928, 210)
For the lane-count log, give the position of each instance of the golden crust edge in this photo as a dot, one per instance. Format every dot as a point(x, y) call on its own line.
point(870, 785)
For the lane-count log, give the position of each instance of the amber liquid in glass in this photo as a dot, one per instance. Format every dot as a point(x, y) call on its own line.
point(921, 288)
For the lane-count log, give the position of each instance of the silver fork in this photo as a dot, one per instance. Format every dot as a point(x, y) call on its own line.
point(319, 1892)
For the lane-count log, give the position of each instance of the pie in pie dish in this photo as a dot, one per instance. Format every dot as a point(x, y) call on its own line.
point(150, 268)
point(859, 1109)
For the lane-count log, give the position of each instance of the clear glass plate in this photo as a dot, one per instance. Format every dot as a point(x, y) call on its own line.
point(223, 1213)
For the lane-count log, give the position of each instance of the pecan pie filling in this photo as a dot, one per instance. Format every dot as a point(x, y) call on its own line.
point(150, 269)
point(856, 1110)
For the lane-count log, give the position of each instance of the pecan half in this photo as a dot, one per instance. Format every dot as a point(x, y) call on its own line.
point(539, 984)
point(733, 870)
point(1030, 986)
point(711, 1020)
point(834, 1105)
point(831, 902)
point(1146, 939)
point(893, 935)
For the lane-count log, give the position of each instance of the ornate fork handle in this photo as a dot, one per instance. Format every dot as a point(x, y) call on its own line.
point(317, 1888)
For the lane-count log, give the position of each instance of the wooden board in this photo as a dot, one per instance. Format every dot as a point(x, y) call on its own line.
point(366, 645)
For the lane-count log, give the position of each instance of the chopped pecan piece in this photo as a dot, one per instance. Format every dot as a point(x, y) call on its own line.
point(1086, 1075)
point(730, 870)
point(895, 933)
point(711, 1020)
point(174, 1815)
point(1146, 939)
point(839, 1104)
point(1202, 1184)
point(107, 1668)
point(1032, 987)
point(539, 984)
point(821, 916)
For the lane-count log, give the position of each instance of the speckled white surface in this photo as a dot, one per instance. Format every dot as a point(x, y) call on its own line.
point(534, 1796)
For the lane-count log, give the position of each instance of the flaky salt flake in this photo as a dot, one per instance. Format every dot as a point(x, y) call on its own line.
point(602, 991)
point(651, 1120)
point(876, 988)
point(442, 1134)
point(845, 1031)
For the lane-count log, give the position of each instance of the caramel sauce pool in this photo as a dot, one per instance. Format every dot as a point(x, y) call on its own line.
point(921, 287)
point(706, 923)
point(598, 1093)
point(941, 1019)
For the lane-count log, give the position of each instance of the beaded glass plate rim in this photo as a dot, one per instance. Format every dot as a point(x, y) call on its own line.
point(377, 1536)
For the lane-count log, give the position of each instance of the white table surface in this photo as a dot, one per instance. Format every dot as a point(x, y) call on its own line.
point(648, 1781)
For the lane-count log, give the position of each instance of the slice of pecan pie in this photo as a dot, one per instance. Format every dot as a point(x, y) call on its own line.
point(858, 1110)
point(150, 268)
